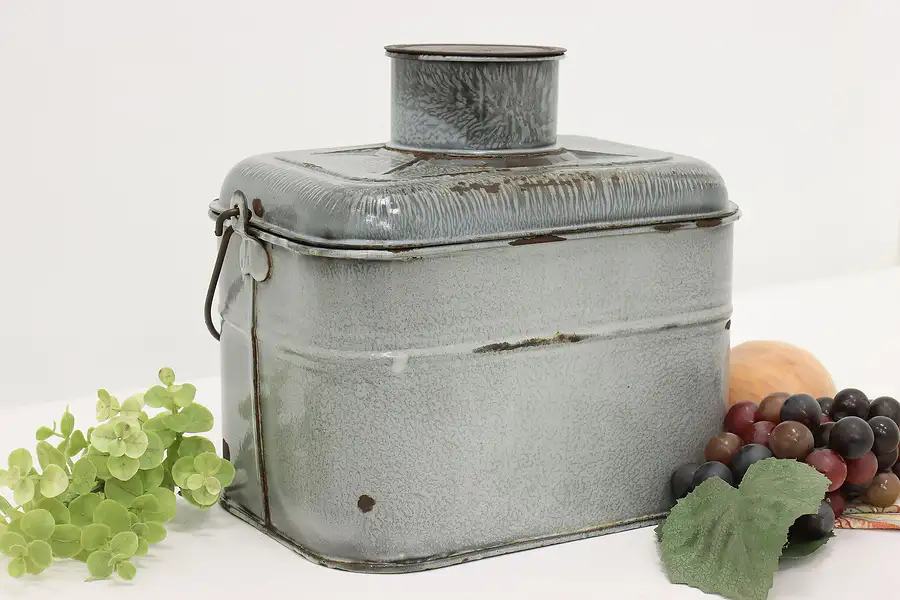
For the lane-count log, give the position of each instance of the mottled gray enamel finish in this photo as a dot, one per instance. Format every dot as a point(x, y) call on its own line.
point(391, 379)
point(473, 106)
point(375, 197)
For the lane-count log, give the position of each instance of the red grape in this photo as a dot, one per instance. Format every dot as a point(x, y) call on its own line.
point(770, 407)
point(758, 433)
point(837, 502)
point(830, 464)
point(862, 470)
point(740, 416)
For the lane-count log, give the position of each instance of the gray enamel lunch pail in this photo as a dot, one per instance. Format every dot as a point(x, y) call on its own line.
point(477, 338)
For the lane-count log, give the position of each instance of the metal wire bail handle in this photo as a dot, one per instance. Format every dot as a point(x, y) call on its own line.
point(225, 233)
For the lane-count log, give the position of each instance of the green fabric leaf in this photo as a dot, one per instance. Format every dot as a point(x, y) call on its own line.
point(167, 505)
point(207, 463)
point(94, 535)
point(54, 481)
point(147, 502)
point(43, 433)
point(82, 509)
point(17, 567)
point(123, 467)
point(48, 455)
point(57, 509)
point(103, 436)
point(84, 474)
point(67, 423)
point(183, 395)
point(727, 541)
point(154, 452)
point(114, 515)
point(157, 426)
point(156, 532)
point(23, 491)
point(804, 548)
point(38, 524)
point(124, 492)
point(66, 541)
point(10, 540)
point(166, 376)
point(153, 477)
point(98, 564)
point(225, 474)
point(182, 470)
point(124, 544)
point(40, 553)
point(77, 442)
point(194, 445)
point(126, 570)
point(21, 458)
point(196, 418)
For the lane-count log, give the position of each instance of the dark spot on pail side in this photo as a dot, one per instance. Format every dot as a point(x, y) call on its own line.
point(668, 226)
point(365, 503)
point(559, 338)
point(258, 207)
point(709, 222)
point(490, 188)
point(226, 451)
point(728, 324)
point(538, 239)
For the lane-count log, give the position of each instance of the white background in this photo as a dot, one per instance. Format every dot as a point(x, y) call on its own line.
point(118, 121)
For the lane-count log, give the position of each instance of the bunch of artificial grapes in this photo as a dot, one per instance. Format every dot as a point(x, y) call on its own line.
point(850, 440)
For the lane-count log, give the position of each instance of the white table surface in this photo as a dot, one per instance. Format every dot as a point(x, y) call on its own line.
point(851, 324)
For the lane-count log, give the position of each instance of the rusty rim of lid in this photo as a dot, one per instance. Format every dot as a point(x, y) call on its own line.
point(474, 51)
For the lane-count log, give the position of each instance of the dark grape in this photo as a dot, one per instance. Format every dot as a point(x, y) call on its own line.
point(825, 402)
point(722, 447)
point(759, 433)
point(854, 491)
point(813, 527)
point(682, 481)
point(830, 464)
point(746, 457)
point(850, 403)
point(791, 439)
point(711, 469)
point(837, 502)
point(823, 432)
point(884, 490)
point(896, 469)
point(886, 461)
point(740, 416)
point(887, 434)
point(826, 419)
point(885, 406)
point(862, 470)
point(802, 408)
point(851, 437)
point(770, 407)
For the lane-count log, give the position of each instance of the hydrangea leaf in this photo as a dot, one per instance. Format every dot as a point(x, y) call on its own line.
point(98, 564)
point(156, 532)
point(124, 492)
point(133, 406)
point(182, 470)
point(54, 481)
point(140, 529)
point(123, 467)
point(143, 547)
point(38, 524)
point(116, 448)
point(61, 514)
point(147, 502)
point(158, 397)
point(207, 463)
point(77, 442)
point(183, 395)
point(194, 482)
point(107, 406)
point(126, 570)
point(94, 535)
point(225, 474)
point(66, 541)
point(100, 462)
point(114, 515)
point(194, 445)
point(40, 555)
point(124, 544)
point(196, 418)
point(154, 451)
point(48, 455)
point(10, 540)
point(82, 509)
point(212, 485)
point(727, 541)
point(21, 458)
point(67, 423)
point(84, 474)
point(167, 506)
point(136, 444)
point(166, 376)
point(157, 426)
point(153, 478)
point(202, 497)
point(43, 432)
point(103, 436)
point(17, 567)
